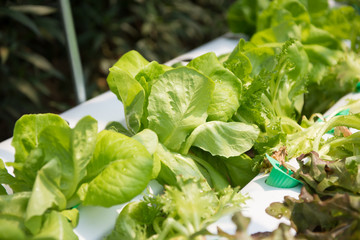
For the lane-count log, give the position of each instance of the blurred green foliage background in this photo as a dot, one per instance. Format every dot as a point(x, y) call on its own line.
point(35, 74)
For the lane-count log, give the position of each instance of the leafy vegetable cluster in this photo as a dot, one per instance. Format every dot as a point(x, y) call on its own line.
point(57, 168)
point(199, 128)
point(333, 67)
point(182, 212)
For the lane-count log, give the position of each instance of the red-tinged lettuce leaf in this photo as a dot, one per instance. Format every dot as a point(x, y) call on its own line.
point(241, 222)
point(336, 217)
point(331, 177)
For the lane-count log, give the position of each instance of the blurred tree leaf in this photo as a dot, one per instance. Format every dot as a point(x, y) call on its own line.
point(21, 18)
point(41, 62)
point(34, 9)
point(4, 54)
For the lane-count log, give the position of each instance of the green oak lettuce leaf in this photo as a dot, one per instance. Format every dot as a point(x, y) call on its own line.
point(322, 47)
point(56, 226)
point(66, 152)
point(120, 169)
point(175, 164)
point(227, 93)
point(238, 170)
point(131, 94)
point(45, 195)
point(7, 178)
point(12, 215)
point(73, 149)
point(178, 103)
point(150, 141)
point(28, 158)
point(13, 220)
point(227, 139)
point(130, 79)
point(342, 22)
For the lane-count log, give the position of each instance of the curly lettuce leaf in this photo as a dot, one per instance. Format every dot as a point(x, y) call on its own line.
point(277, 92)
point(183, 211)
